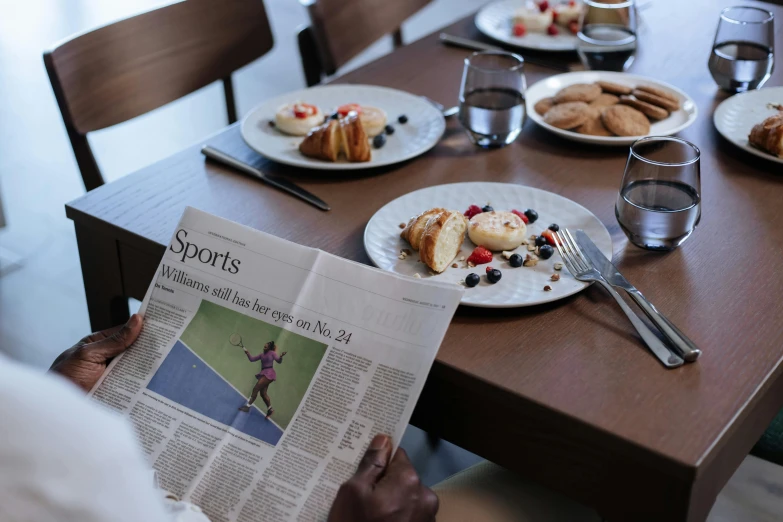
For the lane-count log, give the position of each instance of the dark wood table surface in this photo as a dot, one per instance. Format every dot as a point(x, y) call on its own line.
point(564, 393)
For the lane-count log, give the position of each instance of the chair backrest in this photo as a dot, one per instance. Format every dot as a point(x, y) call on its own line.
point(125, 69)
point(341, 29)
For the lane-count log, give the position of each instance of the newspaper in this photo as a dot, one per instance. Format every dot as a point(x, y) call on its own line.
point(239, 324)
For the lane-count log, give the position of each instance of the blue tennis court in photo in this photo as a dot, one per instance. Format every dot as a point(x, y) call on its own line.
point(187, 380)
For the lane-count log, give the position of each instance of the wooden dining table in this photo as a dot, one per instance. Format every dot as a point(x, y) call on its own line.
point(563, 393)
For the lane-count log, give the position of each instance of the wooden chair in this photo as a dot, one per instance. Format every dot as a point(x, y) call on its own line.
point(341, 29)
point(125, 69)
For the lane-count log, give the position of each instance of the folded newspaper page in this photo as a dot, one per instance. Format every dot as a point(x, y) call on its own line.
point(264, 368)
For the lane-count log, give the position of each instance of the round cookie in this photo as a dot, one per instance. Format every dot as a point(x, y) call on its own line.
point(594, 126)
point(658, 92)
point(579, 92)
point(653, 111)
point(567, 115)
point(614, 88)
point(625, 121)
point(543, 105)
point(605, 100)
point(666, 103)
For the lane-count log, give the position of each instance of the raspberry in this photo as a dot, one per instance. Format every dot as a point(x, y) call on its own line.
point(489, 269)
point(554, 16)
point(480, 256)
point(543, 6)
point(472, 211)
point(521, 216)
point(552, 30)
point(519, 30)
point(572, 3)
point(573, 26)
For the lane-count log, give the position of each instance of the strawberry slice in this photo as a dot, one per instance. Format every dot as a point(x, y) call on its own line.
point(480, 256)
point(521, 216)
point(550, 237)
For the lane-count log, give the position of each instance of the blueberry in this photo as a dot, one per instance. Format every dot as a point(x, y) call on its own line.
point(494, 275)
point(271, 123)
point(546, 251)
point(335, 116)
point(487, 208)
point(389, 130)
point(554, 227)
point(531, 215)
point(402, 119)
point(379, 141)
point(540, 241)
point(515, 260)
point(472, 280)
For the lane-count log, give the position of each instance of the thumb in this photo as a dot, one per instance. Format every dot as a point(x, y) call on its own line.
point(375, 460)
point(116, 343)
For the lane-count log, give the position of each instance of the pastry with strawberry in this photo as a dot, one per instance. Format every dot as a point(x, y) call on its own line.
point(298, 118)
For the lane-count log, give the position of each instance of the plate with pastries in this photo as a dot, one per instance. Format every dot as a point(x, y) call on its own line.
point(495, 239)
point(543, 25)
point(608, 108)
point(343, 127)
point(753, 121)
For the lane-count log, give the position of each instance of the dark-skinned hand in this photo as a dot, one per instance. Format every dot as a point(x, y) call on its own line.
point(84, 363)
point(384, 489)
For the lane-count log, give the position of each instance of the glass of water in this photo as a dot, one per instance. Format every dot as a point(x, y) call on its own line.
point(743, 54)
point(606, 40)
point(492, 98)
point(659, 204)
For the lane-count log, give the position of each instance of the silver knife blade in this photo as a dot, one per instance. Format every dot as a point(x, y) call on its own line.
point(682, 344)
point(275, 181)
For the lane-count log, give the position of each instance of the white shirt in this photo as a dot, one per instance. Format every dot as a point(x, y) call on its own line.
point(65, 459)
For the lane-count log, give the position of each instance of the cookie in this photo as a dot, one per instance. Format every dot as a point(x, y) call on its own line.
point(659, 92)
point(666, 103)
point(593, 126)
point(543, 105)
point(653, 111)
point(567, 115)
point(579, 92)
point(605, 100)
point(625, 121)
point(614, 88)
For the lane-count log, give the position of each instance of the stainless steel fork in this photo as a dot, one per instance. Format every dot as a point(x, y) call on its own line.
point(583, 270)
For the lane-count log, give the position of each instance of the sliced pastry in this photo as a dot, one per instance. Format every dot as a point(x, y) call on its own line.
point(442, 239)
point(768, 135)
point(298, 118)
point(355, 144)
point(373, 119)
point(323, 142)
point(414, 230)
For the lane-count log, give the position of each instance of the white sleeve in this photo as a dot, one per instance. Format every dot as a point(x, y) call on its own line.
point(65, 459)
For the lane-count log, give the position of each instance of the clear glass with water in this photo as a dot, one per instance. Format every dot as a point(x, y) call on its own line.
point(659, 205)
point(742, 55)
point(606, 40)
point(492, 98)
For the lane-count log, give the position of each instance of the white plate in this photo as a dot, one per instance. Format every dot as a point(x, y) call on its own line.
point(495, 21)
point(522, 286)
point(424, 128)
point(676, 121)
point(736, 116)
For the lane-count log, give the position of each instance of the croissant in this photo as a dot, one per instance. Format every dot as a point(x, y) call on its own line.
point(438, 235)
point(346, 135)
point(768, 135)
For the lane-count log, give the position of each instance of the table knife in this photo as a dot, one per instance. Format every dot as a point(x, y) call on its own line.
point(680, 342)
point(275, 181)
point(474, 45)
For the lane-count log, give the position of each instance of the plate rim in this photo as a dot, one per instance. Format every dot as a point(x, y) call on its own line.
point(254, 112)
point(609, 140)
point(492, 305)
point(723, 107)
point(509, 41)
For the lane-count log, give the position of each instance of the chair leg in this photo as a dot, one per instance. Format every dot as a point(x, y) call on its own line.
point(397, 37)
point(231, 107)
point(308, 51)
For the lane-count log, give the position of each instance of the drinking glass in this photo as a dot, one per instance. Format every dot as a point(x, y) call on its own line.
point(743, 52)
point(606, 40)
point(492, 98)
point(659, 204)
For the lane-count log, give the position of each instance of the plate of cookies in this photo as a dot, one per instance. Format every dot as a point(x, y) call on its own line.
point(495, 239)
point(609, 108)
point(753, 121)
point(343, 127)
